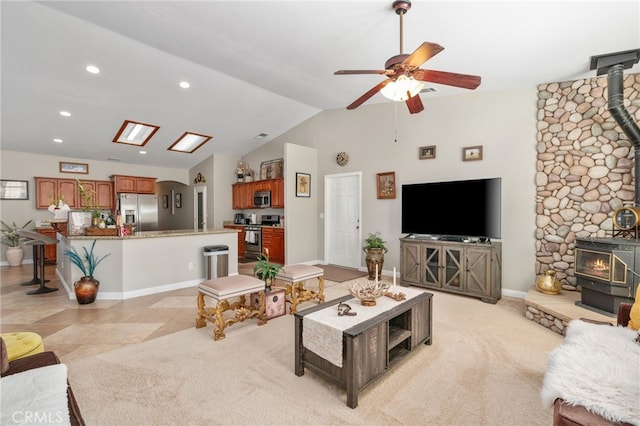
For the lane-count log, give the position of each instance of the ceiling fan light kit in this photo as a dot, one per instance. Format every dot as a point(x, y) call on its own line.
point(405, 79)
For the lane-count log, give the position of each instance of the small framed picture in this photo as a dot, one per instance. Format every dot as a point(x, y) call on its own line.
point(165, 201)
point(303, 185)
point(386, 185)
point(427, 152)
point(14, 190)
point(81, 168)
point(472, 153)
point(178, 200)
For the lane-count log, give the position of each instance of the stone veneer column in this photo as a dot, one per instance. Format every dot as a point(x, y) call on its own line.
point(584, 168)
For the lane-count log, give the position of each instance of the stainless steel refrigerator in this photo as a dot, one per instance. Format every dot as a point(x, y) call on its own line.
point(139, 210)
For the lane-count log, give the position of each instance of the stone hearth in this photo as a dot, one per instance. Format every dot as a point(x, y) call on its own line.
point(555, 311)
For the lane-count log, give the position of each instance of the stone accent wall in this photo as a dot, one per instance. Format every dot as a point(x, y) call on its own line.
point(584, 168)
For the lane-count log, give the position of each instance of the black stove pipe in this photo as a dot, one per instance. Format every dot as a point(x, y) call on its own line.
point(616, 107)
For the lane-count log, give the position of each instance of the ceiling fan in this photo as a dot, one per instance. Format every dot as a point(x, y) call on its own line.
point(405, 78)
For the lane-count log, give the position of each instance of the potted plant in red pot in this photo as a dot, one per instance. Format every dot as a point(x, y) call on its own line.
point(86, 288)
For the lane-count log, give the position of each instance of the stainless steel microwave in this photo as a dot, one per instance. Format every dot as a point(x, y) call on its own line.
point(262, 199)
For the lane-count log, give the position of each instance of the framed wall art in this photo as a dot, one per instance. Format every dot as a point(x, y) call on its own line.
point(472, 153)
point(427, 152)
point(66, 167)
point(386, 185)
point(14, 190)
point(271, 169)
point(303, 185)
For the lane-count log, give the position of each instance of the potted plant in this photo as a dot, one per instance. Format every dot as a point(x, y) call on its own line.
point(266, 270)
point(86, 288)
point(374, 247)
point(10, 237)
point(89, 202)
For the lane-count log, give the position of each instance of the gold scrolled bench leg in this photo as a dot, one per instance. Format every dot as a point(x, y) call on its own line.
point(295, 291)
point(230, 294)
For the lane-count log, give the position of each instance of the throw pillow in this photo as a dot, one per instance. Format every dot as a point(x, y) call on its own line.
point(634, 321)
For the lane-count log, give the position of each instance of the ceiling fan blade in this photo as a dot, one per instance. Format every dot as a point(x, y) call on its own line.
point(465, 81)
point(347, 72)
point(362, 99)
point(422, 54)
point(415, 104)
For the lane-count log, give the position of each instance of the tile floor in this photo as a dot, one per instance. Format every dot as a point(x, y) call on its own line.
point(75, 331)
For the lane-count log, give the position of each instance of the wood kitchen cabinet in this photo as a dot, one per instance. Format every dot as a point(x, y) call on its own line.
point(273, 239)
point(50, 190)
point(134, 184)
point(242, 196)
point(241, 251)
point(242, 193)
point(277, 193)
point(102, 191)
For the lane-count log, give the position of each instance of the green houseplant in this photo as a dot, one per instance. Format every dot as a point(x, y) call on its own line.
point(86, 288)
point(10, 237)
point(374, 248)
point(266, 270)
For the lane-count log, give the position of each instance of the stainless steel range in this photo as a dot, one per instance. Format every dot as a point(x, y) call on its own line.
point(252, 241)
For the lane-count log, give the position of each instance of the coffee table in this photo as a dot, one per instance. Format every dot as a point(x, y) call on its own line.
point(370, 346)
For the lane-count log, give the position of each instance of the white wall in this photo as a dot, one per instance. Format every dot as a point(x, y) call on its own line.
point(385, 137)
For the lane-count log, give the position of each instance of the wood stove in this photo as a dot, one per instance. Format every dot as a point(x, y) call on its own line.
point(607, 272)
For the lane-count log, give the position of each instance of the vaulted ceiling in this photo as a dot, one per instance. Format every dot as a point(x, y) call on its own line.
point(263, 66)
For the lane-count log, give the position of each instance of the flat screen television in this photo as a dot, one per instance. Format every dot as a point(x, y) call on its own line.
point(427, 208)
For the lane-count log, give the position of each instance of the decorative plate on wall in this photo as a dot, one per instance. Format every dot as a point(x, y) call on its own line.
point(342, 158)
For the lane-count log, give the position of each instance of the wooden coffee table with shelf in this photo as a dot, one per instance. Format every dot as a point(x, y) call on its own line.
point(371, 346)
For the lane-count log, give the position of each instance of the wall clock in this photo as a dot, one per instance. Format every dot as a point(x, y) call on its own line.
point(342, 158)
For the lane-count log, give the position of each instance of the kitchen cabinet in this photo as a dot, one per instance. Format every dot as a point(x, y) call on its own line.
point(277, 193)
point(50, 250)
point(102, 191)
point(242, 196)
point(241, 251)
point(50, 190)
point(472, 269)
point(134, 184)
point(273, 239)
point(242, 193)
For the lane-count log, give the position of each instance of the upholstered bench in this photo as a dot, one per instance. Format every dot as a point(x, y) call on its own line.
point(294, 277)
point(222, 290)
point(22, 344)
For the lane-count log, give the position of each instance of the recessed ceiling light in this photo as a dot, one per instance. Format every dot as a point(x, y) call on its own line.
point(93, 69)
point(135, 133)
point(261, 136)
point(142, 152)
point(65, 113)
point(184, 85)
point(57, 140)
point(189, 142)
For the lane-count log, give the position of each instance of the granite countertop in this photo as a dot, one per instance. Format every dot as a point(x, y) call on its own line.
point(153, 234)
point(231, 223)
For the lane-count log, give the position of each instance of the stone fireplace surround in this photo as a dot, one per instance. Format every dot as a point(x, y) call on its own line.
point(584, 172)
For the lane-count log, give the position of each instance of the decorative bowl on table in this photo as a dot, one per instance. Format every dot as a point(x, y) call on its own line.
point(368, 291)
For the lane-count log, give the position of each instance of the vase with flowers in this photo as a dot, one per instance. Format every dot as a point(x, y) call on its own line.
point(86, 288)
point(11, 238)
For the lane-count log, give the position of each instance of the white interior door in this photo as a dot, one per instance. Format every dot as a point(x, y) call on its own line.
point(343, 205)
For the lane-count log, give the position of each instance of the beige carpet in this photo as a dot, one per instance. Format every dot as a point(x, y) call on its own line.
point(485, 367)
point(340, 274)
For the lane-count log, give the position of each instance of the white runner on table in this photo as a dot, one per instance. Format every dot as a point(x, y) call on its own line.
point(322, 330)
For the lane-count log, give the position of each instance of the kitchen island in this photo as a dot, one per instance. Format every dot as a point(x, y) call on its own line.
point(146, 262)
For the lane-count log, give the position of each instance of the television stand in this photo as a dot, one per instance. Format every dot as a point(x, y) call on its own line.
point(465, 268)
